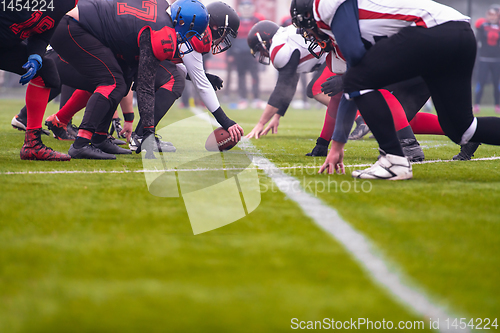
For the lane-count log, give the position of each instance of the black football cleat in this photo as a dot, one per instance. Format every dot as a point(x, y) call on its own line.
point(116, 141)
point(412, 150)
point(109, 147)
point(318, 150)
point(321, 148)
point(72, 129)
point(466, 151)
point(89, 152)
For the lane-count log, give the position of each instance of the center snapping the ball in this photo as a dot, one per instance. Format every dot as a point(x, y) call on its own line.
point(219, 140)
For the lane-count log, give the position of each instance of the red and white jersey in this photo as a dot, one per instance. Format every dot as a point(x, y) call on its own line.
point(384, 18)
point(285, 42)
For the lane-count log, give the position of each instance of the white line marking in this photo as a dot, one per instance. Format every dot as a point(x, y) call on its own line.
point(54, 172)
point(358, 245)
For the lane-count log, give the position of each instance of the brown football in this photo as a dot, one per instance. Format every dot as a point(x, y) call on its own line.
point(219, 140)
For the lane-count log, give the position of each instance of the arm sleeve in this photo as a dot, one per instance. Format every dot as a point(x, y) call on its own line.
point(37, 44)
point(345, 28)
point(194, 65)
point(345, 119)
point(146, 74)
point(285, 88)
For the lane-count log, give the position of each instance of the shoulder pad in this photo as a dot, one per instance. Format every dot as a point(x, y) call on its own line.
point(202, 46)
point(324, 10)
point(280, 55)
point(164, 43)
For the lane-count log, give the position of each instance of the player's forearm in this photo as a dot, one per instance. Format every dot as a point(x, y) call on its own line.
point(146, 74)
point(127, 107)
point(269, 112)
point(346, 114)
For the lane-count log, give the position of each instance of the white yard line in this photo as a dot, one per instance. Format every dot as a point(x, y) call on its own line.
point(53, 172)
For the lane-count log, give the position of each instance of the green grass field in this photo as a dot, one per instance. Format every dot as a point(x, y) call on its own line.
point(96, 252)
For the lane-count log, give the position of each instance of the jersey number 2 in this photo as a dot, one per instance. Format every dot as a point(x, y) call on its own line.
point(148, 12)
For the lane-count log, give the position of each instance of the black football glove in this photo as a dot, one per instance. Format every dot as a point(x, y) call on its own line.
point(333, 85)
point(215, 81)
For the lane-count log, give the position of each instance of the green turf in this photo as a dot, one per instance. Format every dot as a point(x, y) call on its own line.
point(98, 253)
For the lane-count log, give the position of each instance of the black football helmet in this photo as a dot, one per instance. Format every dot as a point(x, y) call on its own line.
point(224, 23)
point(259, 40)
point(302, 15)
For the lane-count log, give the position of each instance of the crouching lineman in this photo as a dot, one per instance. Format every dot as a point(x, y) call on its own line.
point(290, 55)
point(223, 24)
point(27, 59)
point(415, 46)
point(111, 43)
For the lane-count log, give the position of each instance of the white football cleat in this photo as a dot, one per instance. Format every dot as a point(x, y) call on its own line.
point(388, 166)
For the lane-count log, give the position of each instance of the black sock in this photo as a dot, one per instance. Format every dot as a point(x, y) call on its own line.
point(99, 138)
point(378, 117)
point(163, 101)
point(322, 142)
point(487, 131)
point(406, 133)
point(80, 142)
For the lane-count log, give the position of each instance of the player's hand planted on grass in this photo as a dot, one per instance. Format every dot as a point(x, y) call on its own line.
point(127, 130)
point(236, 132)
point(273, 125)
point(256, 132)
point(334, 161)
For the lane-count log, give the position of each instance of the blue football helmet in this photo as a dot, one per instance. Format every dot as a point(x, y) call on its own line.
point(190, 18)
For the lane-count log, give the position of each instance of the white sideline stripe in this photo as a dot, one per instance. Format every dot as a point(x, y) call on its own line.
point(53, 172)
point(357, 244)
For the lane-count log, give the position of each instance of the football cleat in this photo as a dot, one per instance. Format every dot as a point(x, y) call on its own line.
point(116, 141)
point(163, 146)
point(59, 129)
point(388, 166)
point(135, 142)
point(109, 147)
point(89, 152)
point(412, 150)
point(34, 149)
point(116, 126)
point(360, 131)
point(321, 148)
point(20, 124)
point(466, 151)
point(72, 129)
point(147, 144)
point(318, 150)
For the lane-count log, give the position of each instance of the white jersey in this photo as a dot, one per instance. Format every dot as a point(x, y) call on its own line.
point(384, 18)
point(285, 42)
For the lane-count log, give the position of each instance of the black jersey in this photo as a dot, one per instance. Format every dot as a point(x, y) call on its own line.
point(118, 23)
point(36, 22)
point(488, 35)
